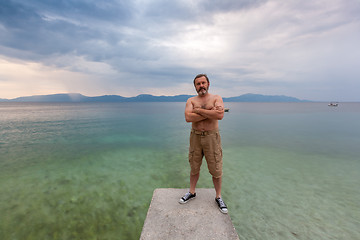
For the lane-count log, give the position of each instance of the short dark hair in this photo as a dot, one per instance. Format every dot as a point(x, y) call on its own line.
point(201, 75)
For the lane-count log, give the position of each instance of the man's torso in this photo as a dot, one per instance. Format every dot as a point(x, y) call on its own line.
point(208, 103)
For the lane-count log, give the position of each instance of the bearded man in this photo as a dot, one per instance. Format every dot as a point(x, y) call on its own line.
point(204, 111)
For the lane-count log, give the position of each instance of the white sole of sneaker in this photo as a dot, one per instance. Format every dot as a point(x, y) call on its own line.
point(181, 201)
point(223, 211)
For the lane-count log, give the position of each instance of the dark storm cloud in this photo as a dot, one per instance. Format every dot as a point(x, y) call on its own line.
point(95, 28)
point(104, 31)
point(62, 27)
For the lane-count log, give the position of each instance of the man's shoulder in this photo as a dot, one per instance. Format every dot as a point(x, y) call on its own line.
point(216, 97)
point(192, 98)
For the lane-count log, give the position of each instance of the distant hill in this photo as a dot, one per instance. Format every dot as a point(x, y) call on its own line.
point(66, 97)
point(262, 98)
point(76, 97)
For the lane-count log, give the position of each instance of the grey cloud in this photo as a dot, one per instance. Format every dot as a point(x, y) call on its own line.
point(40, 31)
point(164, 11)
point(153, 73)
point(31, 27)
point(110, 10)
point(93, 28)
point(231, 5)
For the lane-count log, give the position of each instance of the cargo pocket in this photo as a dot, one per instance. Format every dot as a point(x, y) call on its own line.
point(218, 159)
point(191, 155)
point(218, 152)
point(191, 149)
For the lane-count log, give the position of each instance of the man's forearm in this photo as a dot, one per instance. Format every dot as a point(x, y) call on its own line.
point(194, 117)
point(212, 114)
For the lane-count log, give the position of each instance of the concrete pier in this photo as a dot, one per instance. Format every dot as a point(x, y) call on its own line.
point(200, 218)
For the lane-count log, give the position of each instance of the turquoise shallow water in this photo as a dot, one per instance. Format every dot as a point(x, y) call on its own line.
point(87, 171)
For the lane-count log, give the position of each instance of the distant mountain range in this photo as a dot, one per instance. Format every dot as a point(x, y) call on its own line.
point(77, 97)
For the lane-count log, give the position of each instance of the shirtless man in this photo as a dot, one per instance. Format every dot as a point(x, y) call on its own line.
point(204, 111)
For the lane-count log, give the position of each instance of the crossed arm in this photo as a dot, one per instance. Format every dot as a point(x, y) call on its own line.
point(198, 114)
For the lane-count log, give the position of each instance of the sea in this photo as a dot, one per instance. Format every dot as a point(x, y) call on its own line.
point(88, 170)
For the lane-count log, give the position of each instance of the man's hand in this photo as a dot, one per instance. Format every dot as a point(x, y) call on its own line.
point(218, 108)
point(196, 110)
point(192, 114)
point(216, 112)
point(197, 114)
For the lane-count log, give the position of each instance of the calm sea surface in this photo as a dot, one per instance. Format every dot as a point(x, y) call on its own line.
point(88, 170)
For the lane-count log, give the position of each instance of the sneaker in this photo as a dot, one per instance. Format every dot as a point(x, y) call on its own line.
point(187, 197)
point(222, 205)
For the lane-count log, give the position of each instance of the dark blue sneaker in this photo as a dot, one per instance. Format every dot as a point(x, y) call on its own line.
point(187, 197)
point(222, 205)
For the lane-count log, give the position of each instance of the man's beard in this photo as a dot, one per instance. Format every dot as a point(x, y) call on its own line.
point(202, 91)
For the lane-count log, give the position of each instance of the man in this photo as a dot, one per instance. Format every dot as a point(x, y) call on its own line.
point(204, 111)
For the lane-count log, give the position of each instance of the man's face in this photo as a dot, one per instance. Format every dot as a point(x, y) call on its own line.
point(201, 86)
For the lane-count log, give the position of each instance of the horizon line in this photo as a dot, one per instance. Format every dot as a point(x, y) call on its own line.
point(74, 93)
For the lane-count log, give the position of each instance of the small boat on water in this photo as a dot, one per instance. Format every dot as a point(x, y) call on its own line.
point(333, 104)
point(226, 109)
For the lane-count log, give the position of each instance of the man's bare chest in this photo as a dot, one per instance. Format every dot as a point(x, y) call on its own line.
point(209, 104)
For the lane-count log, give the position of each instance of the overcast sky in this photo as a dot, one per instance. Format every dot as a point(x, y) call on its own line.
point(309, 49)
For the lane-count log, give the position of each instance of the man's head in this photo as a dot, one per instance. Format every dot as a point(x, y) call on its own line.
point(201, 83)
